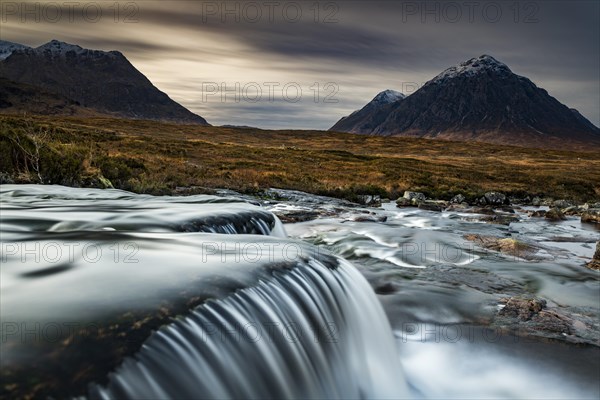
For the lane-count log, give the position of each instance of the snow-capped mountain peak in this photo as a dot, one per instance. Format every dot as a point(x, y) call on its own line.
point(7, 48)
point(388, 96)
point(479, 99)
point(58, 47)
point(473, 67)
point(112, 84)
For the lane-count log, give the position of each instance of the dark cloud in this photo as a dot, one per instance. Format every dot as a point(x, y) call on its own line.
point(131, 46)
point(365, 47)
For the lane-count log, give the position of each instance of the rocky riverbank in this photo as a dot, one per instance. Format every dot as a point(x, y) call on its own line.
point(424, 247)
point(500, 209)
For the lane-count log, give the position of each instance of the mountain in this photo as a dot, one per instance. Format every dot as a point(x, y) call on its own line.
point(20, 98)
point(479, 99)
point(104, 82)
point(368, 117)
point(7, 48)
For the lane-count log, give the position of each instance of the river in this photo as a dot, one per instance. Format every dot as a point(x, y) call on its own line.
point(109, 294)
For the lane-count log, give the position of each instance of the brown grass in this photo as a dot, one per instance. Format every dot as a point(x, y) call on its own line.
point(338, 164)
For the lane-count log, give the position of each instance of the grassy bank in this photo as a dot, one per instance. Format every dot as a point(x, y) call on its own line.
point(151, 157)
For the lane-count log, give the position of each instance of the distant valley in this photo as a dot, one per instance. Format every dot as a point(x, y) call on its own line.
point(478, 100)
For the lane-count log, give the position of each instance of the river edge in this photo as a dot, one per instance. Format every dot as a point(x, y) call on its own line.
point(333, 208)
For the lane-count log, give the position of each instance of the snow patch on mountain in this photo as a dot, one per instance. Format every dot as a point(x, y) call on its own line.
point(472, 67)
point(387, 97)
point(7, 48)
point(57, 47)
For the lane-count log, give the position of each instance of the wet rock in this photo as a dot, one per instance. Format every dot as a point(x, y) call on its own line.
point(459, 198)
point(573, 210)
point(552, 321)
point(591, 215)
point(532, 317)
point(504, 215)
point(571, 239)
point(370, 219)
point(562, 204)
point(547, 201)
point(494, 198)
point(503, 245)
point(501, 219)
point(539, 214)
point(430, 206)
point(403, 202)
point(387, 288)
point(462, 207)
point(414, 197)
point(536, 201)
point(369, 200)
point(483, 210)
point(521, 308)
point(484, 281)
point(554, 214)
point(595, 263)
point(291, 217)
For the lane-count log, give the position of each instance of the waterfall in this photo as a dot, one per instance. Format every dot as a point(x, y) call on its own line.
point(315, 331)
point(114, 295)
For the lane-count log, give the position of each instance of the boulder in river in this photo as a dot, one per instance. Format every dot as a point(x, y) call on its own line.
point(403, 202)
point(494, 198)
point(573, 210)
point(387, 288)
point(538, 214)
point(500, 218)
point(430, 206)
point(591, 215)
point(414, 197)
point(562, 204)
point(595, 263)
point(297, 216)
point(522, 308)
point(503, 245)
point(536, 201)
point(530, 316)
point(554, 214)
point(369, 200)
point(459, 198)
point(370, 218)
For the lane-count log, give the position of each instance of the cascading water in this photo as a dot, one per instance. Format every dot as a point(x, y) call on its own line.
point(237, 315)
point(312, 332)
point(108, 294)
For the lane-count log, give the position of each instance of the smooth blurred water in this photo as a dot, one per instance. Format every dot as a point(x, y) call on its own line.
point(110, 294)
point(438, 289)
point(311, 333)
point(88, 275)
point(426, 255)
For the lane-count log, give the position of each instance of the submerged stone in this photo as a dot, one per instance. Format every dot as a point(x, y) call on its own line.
point(591, 215)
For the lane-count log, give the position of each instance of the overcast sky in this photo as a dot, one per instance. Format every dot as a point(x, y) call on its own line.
point(305, 64)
